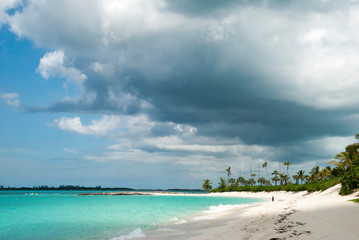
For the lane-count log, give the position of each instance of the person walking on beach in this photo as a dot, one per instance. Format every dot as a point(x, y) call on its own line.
point(272, 198)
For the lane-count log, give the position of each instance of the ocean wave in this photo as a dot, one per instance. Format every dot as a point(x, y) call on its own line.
point(137, 233)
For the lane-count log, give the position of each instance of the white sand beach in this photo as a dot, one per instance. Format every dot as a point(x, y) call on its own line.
point(319, 215)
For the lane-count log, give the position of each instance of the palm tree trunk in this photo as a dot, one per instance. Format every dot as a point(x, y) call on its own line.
point(250, 168)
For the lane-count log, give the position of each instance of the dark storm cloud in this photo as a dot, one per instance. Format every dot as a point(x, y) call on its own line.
point(225, 103)
point(212, 7)
point(201, 7)
point(258, 121)
point(217, 104)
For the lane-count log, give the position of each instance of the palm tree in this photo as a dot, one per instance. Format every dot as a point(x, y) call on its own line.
point(314, 170)
point(265, 165)
point(325, 173)
point(207, 185)
point(275, 179)
point(252, 182)
point(261, 181)
point(275, 173)
point(222, 184)
point(287, 164)
point(329, 171)
point(228, 172)
point(357, 136)
point(236, 182)
point(286, 179)
point(301, 175)
point(296, 178)
point(344, 160)
point(314, 173)
point(267, 183)
point(281, 178)
point(232, 183)
point(241, 180)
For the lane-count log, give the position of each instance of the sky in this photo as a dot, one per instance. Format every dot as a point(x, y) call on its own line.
point(166, 93)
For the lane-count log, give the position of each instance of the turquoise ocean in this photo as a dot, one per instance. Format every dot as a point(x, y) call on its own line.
point(65, 215)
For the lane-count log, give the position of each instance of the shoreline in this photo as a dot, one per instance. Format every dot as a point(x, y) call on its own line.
point(299, 215)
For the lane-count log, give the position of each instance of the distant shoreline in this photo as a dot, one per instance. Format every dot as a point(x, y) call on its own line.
point(74, 188)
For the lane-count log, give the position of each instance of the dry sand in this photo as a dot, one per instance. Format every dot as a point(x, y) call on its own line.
point(320, 215)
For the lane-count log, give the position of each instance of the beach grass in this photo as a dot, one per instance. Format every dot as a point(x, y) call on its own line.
point(355, 200)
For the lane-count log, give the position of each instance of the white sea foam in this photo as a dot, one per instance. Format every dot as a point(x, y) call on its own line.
point(137, 233)
point(174, 219)
point(181, 222)
point(177, 221)
point(214, 211)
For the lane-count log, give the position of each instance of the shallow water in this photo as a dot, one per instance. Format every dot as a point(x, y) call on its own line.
point(65, 215)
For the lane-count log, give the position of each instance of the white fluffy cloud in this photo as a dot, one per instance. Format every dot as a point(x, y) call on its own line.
point(135, 135)
point(129, 127)
point(11, 99)
point(5, 5)
point(96, 127)
point(52, 64)
point(325, 73)
point(179, 145)
point(91, 25)
point(200, 156)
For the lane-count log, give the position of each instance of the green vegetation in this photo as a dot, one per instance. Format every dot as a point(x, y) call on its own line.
point(222, 185)
point(350, 180)
point(348, 162)
point(310, 187)
point(355, 200)
point(207, 185)
point(346, 172)
point(229, 172)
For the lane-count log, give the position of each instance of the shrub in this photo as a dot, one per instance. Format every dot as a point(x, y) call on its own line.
point(350, 181)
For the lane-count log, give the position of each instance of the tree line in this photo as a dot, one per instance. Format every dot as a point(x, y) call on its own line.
point(346, 171)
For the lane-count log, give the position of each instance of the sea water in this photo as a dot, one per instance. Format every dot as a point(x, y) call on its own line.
point(68, 216)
